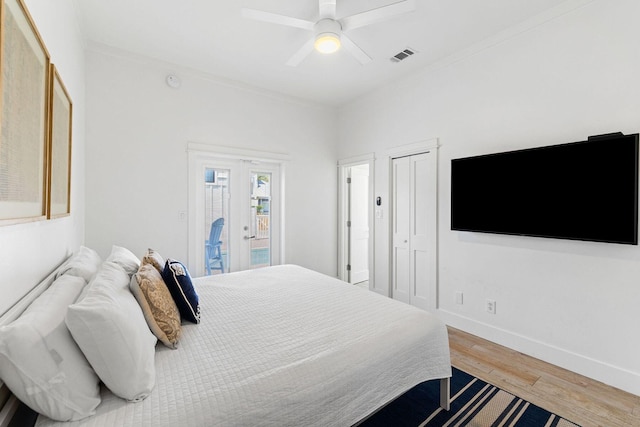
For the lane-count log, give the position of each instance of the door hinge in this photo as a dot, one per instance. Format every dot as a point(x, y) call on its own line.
point(348, 180)
point(348, 223)
point(348, 267)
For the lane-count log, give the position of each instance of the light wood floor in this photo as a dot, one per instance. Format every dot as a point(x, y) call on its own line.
point(579, 399)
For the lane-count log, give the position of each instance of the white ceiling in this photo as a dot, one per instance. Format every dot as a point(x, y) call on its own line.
point(213, 37)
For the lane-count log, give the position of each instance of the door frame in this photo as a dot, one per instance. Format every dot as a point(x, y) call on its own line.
point(199, 155)
point(343, 214)
point(428, 145)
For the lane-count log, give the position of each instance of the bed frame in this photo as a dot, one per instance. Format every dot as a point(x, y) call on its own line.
point(15, 413)
point(445, 393)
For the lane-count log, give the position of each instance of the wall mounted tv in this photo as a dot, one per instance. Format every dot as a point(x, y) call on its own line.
point(580, 191)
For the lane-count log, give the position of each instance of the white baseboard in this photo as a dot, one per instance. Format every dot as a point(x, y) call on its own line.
point(612, 375)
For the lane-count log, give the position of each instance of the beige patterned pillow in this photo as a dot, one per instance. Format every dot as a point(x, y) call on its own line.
point(154, 258)
point(158, 307)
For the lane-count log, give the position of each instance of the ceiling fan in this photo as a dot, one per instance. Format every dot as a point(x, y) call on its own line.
point(329, 32)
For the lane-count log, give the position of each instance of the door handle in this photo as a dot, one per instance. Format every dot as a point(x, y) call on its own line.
point(249, 237)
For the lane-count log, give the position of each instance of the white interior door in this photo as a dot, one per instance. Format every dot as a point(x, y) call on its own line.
point(414, 230)
point(364, 226)
point(246, 194)
point(401, 211)
point(359, 223)
point(421, 209)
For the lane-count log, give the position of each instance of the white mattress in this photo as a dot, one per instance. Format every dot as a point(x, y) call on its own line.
point(285, 346)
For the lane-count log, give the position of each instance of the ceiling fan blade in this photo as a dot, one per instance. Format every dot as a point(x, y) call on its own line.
point(327, 9)
point(274, 18)
point(354, 50)
point(301, 54)
point(376, 15)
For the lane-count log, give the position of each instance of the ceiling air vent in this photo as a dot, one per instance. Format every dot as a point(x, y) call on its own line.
point(400, 56)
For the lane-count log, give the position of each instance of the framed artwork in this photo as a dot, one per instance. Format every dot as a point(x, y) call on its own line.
point(24, 83)
point(60, 117)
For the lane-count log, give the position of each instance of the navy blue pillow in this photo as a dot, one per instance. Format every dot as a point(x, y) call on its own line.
point(178, 280)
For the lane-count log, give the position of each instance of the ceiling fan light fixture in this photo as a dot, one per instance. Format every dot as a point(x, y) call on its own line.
point(330, 32)
point(327, 43)
point(327, 39)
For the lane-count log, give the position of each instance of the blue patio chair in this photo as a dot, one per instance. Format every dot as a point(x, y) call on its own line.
point(212, 254)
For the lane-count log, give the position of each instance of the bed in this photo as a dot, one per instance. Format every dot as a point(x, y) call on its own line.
point(284, 345)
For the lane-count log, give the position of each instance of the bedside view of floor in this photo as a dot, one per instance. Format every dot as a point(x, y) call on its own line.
point(579, 399)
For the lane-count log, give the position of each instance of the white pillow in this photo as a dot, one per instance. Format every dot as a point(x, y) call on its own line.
point(125, 259)
point(84, 263)
point(41, 363)
point(110, 328)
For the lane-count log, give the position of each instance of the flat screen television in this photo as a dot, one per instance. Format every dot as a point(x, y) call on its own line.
point(580, 191)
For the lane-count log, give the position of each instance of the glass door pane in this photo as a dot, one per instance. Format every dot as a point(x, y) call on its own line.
point(260, 214)
point(217, 220)
point(242, 198)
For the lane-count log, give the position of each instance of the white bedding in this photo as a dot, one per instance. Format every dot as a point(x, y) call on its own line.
point(284, 346)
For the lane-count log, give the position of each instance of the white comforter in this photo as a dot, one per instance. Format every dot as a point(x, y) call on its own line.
point(285, 346)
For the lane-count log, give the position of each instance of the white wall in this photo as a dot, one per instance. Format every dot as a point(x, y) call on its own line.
point(575, 304)
point(137, 177)
point(28, 252)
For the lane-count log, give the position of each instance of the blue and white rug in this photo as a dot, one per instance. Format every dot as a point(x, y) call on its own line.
point(474, 403)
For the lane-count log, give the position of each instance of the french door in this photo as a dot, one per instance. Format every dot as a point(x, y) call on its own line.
point(246, 196)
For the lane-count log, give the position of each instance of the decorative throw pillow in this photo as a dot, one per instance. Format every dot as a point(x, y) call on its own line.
point(178, 281)
point(109, 327)
point(125, 259)
point(41, 363)
point(84, 263)
point(154, 258)
point(157, 305)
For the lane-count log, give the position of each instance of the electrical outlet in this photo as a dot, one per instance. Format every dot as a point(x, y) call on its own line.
point(459, 298)
point(491, 306)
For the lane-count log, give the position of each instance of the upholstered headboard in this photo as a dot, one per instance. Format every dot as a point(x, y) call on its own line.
point(9, 405)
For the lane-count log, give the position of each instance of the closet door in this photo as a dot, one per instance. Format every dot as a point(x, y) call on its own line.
point(414, 231)
point(401, 255)
point(422, 209)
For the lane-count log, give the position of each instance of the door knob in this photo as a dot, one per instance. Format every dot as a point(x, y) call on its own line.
point(249, 237)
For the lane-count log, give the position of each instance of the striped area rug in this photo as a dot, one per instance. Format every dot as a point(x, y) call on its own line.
point(474, 403)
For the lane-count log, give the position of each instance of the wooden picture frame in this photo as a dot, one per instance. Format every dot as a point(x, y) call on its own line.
point(24, 104)
point(59, 168)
